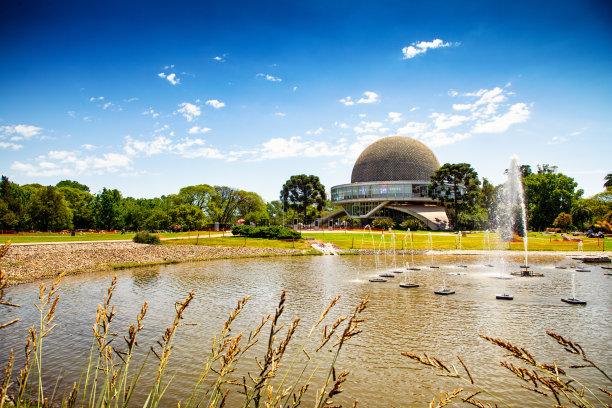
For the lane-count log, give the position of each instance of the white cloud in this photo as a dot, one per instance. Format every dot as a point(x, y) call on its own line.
point(151, 112)
point(172, 78)
point(370, 97)
point(315, 131)
point(422, 47)
point(518, 113)
point(220, 58)
point(198, 130)
point(341, 125)
point(394, 117)
point(88, 146)
point(93, 98)
point(347, 101)
point(72, 114)
point(215, 103)
point(156, 146)
point(8, 145)
point(557, 140)
point(134, 99)
point(415, 108)
point(461, 106)
point(281, 114)
point(281, 148)
point(443, 121)
point(70, 163)
point(20, 132)
point(189, 111)
point(412, 128)
point(269, 77)
point(195, 148)
point(369, 127)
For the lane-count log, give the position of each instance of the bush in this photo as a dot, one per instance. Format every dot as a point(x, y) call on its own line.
point(275, 232)
point(383, 223)
point(146, 238)
point(414, 224)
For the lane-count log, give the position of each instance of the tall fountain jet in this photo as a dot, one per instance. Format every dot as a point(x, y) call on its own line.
point(512, 206)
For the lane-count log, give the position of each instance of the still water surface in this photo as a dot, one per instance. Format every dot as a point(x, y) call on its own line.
point(397, 319)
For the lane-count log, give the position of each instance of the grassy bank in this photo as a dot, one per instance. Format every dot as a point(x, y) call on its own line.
point(230, 241)
point(42, 237)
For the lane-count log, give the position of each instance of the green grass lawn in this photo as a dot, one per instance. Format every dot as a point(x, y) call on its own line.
point(448, 240)
point(240, 242)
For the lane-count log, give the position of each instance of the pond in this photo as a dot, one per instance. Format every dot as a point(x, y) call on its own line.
point(396, 319)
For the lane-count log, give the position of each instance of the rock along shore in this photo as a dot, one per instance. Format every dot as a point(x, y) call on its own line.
point(26, 263)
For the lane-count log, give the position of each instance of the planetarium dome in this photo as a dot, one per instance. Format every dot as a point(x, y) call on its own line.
point(395, 158)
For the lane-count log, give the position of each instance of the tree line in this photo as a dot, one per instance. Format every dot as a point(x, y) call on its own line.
point(552, 199)
point(69, 205)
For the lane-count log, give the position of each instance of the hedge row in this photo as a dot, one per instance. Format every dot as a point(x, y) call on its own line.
point(275, 232)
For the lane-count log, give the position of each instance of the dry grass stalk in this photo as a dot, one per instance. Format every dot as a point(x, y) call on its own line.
point(445, 399)
point(3, 283)
point(575, 348)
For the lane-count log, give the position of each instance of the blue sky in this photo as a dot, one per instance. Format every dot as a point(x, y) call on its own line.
point(149, 97)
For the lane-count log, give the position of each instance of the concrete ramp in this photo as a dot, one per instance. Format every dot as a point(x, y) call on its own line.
point(434, 216)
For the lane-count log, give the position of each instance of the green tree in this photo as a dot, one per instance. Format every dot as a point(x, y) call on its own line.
point(73, 184)
point(199, 195)
point(383, 223)
point(275, 212)
point(107, 205)
point(224, 203)
point(456, 186)
point(190, 217)
point(548, 194)
point(563, 221)
point(12, 206)
point(302, 193)
point(581, 213)
point(49, 211)
point(608, 183)
point(81, 204)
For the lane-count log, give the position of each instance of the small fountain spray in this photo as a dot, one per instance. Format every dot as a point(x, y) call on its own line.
point(573, 300)
point(395, 268)
point(486, 244)
point(461, 265)
point(504, 295)
point(413, 268)
point(431, 251)
point(383, 242)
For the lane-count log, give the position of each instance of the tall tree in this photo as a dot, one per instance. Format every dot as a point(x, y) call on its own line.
point(581, 213)
point(11, 204)
point(73, 184)
point(49, 211)
point(108, 209)
point(608, 178)
point(302, 193)
point(456, 186)
point(548, 194)
point(199, 195)
point(81, 204)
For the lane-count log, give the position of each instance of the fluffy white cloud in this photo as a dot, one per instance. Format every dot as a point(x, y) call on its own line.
point(19, 132)
point(412, 128)
point(422, 47)
point(215, 103)
point(370, 97)
point(151, 147)
point(172, 78)
point(9, 145)
point(93, 98)
point(198, 130)
point(195, 148)
point(189, 111)
point(347, 101)
point(518, 113)
point(443, 121)
point(281, 148)
point(394, 117)
point(281, 114)
point(369, 127)
point(70, 163)
point(269, 77)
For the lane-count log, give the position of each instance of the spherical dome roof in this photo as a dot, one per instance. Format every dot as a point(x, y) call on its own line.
point(395, 158)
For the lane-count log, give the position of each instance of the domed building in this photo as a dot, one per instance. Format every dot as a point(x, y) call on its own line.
point(390, 178)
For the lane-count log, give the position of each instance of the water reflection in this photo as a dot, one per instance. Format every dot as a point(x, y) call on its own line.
point(396, 320)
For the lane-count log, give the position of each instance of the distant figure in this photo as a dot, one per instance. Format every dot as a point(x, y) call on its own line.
point(579, 246)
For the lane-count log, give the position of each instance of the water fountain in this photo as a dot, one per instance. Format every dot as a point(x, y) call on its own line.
point(383, 243)
point(486, 244)
point(395, 268)
point(405, 283)
point(444, 290)
point(460, 254)
point(411, 268)
point(573, 300)
point(513, 199)
point(431, 252)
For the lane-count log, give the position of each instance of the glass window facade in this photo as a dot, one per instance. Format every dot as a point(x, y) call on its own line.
point(381, 191)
